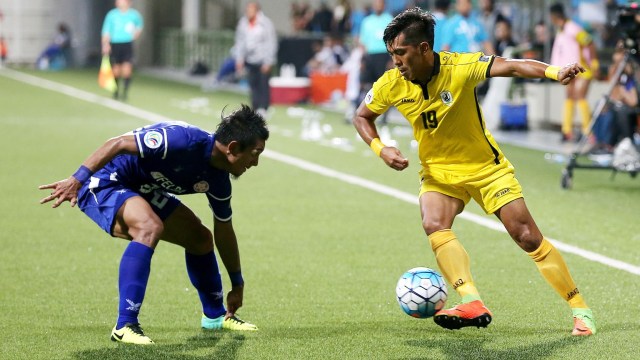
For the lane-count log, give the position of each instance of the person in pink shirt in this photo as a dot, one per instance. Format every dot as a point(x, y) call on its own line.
point(573, 44)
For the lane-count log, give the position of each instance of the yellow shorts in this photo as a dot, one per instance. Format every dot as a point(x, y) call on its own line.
point(491, 188)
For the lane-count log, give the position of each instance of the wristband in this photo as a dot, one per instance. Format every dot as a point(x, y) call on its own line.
point(595, 64)
point(552, 72)
point(376, 145)
point(82, 174)
point(236, 278)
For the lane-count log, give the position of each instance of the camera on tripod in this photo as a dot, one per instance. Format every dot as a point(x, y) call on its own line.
point(628, 24)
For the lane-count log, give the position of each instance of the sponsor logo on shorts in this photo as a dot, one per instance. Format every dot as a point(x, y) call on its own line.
point(153, 139)
point(502, 192)
point(201, 186)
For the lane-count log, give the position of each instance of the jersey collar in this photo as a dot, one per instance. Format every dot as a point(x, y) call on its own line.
point(435, 71)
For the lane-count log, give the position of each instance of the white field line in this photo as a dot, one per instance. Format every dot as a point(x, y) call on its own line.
point(309, 166)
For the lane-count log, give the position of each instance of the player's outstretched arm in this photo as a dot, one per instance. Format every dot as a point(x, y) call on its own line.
point(364, 121)
point(227, 244)
point(67, 189)
point(533, 69)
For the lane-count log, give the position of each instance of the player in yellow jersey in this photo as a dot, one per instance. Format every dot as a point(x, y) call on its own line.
point(460, 159)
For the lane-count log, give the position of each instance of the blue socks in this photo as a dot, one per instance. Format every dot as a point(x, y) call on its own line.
point(132, 282)
point(205, 277)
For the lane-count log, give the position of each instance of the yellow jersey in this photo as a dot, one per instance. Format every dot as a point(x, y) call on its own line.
point(445, 114)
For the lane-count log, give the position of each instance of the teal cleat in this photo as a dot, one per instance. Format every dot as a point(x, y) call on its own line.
point(232, 323)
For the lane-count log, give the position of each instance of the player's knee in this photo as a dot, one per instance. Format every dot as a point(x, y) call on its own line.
point(432, 225)
point(526, 239)
point(147, 231)
point(200, 241)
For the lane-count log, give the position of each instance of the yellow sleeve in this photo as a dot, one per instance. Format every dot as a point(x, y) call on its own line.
point(474, 67)
point(377, 99)
point(583, 38)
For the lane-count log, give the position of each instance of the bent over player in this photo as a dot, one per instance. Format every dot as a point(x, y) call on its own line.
point(460, 159)
point(127, 187)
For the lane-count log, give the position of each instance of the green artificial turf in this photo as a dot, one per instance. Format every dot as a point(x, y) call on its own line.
point(321, 257)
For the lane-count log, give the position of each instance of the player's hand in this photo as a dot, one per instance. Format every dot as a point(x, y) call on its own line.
point(234, 300)
point(265, 69)
point(106, 49)
point(394, 158)
point(569, 72)
point(61, 191)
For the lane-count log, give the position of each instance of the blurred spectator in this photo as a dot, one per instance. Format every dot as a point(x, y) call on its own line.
point(328, 57)
point(322, 18)
point(340, 23)
point(422, 4)
point(226, 74)
point(592, 14)
point(57, 54)
point(465, 32)
point(376, 59)
point(395, 7)
point(3, 51)
point(541, 39)
point(301, 15)
point(503, 45)
point(440, 14)
point(121, 27)
point(357, 15)
point(618, 120)
point(489, 16)
point(502, 35)
point(573, 44)
point(352, 67)
point(256, 45)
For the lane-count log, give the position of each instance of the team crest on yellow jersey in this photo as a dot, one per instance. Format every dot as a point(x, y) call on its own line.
point(446, 97)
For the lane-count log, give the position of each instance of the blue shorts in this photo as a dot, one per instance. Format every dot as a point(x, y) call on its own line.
point(102, 201)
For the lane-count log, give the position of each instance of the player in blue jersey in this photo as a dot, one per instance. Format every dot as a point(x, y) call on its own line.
point(128, 187)
point(120, 28)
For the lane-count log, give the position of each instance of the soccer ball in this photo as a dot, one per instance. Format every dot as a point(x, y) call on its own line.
point(421, 292)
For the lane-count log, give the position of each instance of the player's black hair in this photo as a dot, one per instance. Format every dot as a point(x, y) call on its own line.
point(416, 25)
point(558, 10)
point(243, 125)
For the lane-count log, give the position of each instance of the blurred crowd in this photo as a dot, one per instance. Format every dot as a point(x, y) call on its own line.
point(351, 42)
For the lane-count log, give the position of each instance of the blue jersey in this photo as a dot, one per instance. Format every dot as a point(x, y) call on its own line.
point(463, 34)
point(173, 158)
point(122, 26)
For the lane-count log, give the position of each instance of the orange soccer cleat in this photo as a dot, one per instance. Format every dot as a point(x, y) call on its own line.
point(470, 314)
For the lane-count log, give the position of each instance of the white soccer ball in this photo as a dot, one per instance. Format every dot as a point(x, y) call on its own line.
point(421, 292)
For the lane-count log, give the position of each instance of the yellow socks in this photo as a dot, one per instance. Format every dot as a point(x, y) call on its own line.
point(567, 117)
point(555, 271)
point(453, 261)
point(585, 115)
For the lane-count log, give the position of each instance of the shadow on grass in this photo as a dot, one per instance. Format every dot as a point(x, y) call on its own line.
point(207, 345)
point(479, 347)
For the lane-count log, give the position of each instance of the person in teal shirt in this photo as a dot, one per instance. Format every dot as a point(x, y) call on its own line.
point(121, 27)
point(376, 59)
point(464, 32)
